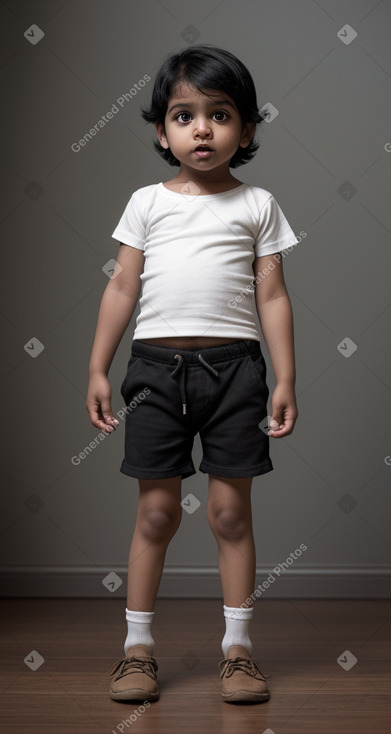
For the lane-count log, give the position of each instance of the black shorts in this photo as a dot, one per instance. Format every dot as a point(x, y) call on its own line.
point(173, 394)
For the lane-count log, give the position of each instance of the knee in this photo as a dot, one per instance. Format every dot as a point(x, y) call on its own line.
point(157, 524)
point(228, 523)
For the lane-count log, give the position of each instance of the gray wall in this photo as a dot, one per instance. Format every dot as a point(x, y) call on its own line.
point(64, 527)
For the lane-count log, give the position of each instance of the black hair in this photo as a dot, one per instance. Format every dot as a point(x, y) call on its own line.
point(205, 67)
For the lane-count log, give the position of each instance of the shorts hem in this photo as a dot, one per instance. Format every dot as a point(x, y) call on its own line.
point(236, 472)
point(186, 470)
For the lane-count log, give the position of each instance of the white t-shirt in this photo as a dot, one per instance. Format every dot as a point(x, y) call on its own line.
point(199, 249)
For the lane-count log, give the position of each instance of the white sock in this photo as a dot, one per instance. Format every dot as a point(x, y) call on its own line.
point(139, 629)
point(237, 620)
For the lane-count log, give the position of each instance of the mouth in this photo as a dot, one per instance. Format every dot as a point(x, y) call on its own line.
point(203, 151)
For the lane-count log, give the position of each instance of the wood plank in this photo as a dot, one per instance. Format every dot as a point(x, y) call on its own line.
point(296, 642)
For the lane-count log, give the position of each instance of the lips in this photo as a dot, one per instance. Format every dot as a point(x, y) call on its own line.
point(203, 147)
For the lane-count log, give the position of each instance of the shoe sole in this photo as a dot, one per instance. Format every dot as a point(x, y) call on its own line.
point(134, 694)
point(241, 696)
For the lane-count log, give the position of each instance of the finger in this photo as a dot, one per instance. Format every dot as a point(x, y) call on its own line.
point(94, 415)
point(109, 418)
point(107, 414)
point(103, 426)
point(277, 433)
point(96, 419)
point(276, 423)
point(282, 430)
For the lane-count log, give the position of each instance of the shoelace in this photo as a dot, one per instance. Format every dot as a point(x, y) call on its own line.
point(229, 665)
point(135, 665)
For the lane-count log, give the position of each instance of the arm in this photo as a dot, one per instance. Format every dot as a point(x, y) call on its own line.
point(118, 303)
point(275, 316)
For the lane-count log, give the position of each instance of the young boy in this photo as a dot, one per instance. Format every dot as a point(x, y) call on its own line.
point(201, 245)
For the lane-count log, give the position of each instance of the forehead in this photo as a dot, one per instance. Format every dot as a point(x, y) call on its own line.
point(182, 91)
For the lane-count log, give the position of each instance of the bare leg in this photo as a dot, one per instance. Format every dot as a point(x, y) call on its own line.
point(230, 518)
point(159, 514)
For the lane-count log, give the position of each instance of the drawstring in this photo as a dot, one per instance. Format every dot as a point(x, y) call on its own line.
point(178, 370)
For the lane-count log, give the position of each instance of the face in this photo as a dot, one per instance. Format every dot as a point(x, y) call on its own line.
point(193, 118)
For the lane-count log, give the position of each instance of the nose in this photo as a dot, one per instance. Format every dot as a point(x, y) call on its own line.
point(202, 127)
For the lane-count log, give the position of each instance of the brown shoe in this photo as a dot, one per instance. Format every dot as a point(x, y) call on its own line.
point(242, 678)
point(135, 676)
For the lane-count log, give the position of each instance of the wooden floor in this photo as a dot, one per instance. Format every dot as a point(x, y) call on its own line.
point(296, 643)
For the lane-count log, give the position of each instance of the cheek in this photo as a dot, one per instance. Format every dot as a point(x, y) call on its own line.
point(177, 135)
point(228, 136)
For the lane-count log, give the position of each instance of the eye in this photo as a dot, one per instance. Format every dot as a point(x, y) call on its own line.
point(181, 114)
point(220, 112)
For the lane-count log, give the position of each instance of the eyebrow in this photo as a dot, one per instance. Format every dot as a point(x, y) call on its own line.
point(212, 103)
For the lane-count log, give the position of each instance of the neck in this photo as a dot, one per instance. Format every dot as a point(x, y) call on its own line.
point(217, 178)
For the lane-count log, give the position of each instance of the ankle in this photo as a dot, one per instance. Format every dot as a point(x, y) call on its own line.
point(237, 620)
point(139, 629)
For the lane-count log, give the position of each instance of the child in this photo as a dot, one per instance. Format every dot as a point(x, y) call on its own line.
point(201, 245)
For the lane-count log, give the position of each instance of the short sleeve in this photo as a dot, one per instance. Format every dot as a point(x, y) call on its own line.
point(131, 228)
point(274, 232)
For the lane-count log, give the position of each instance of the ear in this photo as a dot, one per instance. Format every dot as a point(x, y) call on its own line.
point(161, 135)
point(247, 134)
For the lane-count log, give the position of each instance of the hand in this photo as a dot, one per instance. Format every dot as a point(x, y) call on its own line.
point(98, 403)
point(284, 411)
